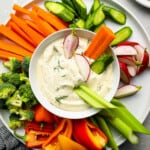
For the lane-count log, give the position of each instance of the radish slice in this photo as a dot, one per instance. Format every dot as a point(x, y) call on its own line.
point(124, 73)
point(149, 59)
point(70, 44)
point(140, 52)
point(145, 62)
point(84, 66)
point(127, 90)
point(132, 70)
point(125, 50)
point(129, 60)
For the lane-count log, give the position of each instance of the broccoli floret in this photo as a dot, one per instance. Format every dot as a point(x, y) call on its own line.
point(6, 90)
point(1, 81)
point(14, 100)
point(5, 76)
point(14, 121)
point(25, 64)
point(27, 115)
point(24, 78)
point(12, 78)
point(13, 109)
point(13, 64)
point(31, 103)
point(26, 93)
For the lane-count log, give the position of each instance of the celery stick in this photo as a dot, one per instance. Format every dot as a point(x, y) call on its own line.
point(124, 129)
point(88, 99)
point(96, 98)
point(105, 128)
point(128, 117)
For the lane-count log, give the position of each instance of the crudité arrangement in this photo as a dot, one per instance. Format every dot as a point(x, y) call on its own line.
point(22, 34)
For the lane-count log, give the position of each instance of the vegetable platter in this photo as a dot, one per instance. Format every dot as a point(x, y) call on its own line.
point(138, 104)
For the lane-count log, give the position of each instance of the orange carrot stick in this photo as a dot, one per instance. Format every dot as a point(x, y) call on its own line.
point(18, 30)
point(50, 18)
point(33, 26)
point(6, 55)
point(35, 36)
point(42, 25)
point(10, 34)
point(100, 42)
point(20, 9)
point(16, 49)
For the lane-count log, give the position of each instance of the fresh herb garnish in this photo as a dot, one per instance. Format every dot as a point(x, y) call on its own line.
point(58, 99)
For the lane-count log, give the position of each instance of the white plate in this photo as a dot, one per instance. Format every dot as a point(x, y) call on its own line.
point(145, 3)
point(138, 104)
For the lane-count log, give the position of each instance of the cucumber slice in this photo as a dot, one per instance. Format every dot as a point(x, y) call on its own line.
point(80, 8)
point(99, 16)
point(101, 63)
point(59, 10)
point(122, 35)
point(115, 14)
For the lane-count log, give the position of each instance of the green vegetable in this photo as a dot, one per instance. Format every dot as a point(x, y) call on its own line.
point(79, 23)
point(80, 8)
point(122, 35)
point(13, 64)
point(69, 2)
point(25, 64)
point(95, 18)
point(59, 10)
point(124, 129)
point(115, 14)
point(14, 100)
point(92, 98)
point(27, 115)
point(14, 121)
point(101, 64)
point(123, 113)
point(99, 16)
point(26, 93)
point(6, 90)
point(95, 5)
point(12, 78)
point(106, 129)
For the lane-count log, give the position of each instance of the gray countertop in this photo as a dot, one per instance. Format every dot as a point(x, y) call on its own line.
point(143, 15)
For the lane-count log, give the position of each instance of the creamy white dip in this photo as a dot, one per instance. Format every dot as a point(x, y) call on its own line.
point(57, 77)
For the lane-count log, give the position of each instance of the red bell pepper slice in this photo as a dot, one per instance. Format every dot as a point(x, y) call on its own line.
point(89, 135)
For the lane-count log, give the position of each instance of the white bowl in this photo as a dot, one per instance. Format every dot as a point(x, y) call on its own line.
point(34, 81)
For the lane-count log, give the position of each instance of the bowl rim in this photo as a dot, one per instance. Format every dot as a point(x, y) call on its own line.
point(42, 100)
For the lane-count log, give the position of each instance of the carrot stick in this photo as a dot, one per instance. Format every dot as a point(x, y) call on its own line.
point(50, 18)
point(100, 42)
point(43, 26)
point(35, 36)
point(33, 26)
point(18, 30)
point(6, 55)
point(16, 49)
point(10, 34)
point(21, 9)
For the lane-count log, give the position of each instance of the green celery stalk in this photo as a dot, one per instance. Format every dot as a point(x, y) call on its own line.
point(124, 129)
point(123, 113)
point(105, 128)
point(92, 98)
point(96, 97)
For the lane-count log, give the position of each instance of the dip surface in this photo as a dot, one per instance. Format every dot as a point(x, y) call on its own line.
point(57, 76)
